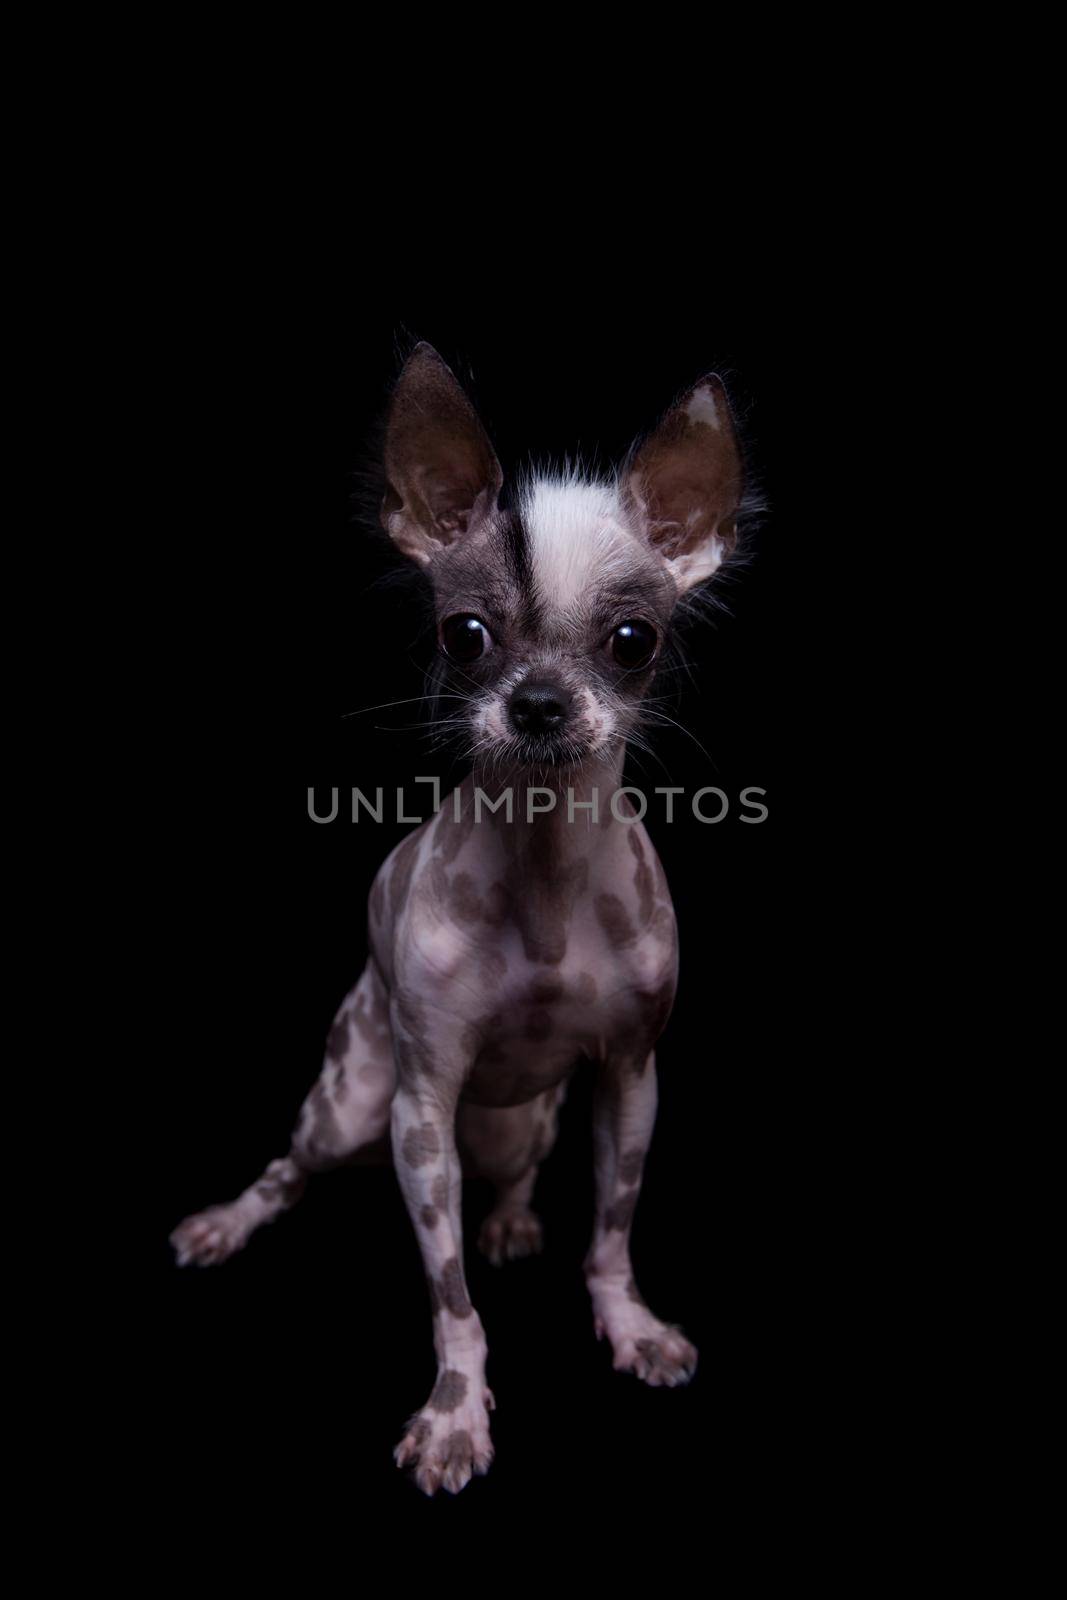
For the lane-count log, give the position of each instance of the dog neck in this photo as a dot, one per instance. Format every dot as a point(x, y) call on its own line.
point(557, 813)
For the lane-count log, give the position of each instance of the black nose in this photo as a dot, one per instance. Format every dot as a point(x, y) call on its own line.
point(539, 707)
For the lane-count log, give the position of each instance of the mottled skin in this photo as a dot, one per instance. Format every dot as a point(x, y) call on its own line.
point(461, 1041)
point(504, 952)
point(490, 1014)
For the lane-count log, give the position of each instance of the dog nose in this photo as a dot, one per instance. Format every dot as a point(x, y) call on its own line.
point(539, 707)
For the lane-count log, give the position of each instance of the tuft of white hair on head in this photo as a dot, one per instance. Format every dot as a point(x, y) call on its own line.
point(577, 533)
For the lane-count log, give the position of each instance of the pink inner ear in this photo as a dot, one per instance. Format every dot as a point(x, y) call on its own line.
point(689, 498)
point(451, 498)
point(688, 475)
point(680, 518)
point(442, 471)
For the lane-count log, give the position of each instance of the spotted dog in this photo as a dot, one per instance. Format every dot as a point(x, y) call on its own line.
point(527, 926)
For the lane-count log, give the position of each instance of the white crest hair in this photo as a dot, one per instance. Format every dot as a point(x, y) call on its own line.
point(577, 534)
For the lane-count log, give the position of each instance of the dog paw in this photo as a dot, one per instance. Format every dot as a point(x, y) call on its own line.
point(664, 1360)
point(209, 1237)
point(444, 1450)
point(656, 1352)
point(509, 1235)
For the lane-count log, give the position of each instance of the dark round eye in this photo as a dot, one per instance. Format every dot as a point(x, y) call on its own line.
point(634, 644)
point(464, 638)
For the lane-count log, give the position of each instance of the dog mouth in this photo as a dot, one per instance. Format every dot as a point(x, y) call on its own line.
point(531, 752)
point(551, 751)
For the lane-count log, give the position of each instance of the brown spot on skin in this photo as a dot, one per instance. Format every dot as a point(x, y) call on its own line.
point(403, 867)
point(450, 1391)
point(453, 1291)
point(435, 882)
point(546, 988)
point(585, 990)
point(420, 1145)
point(337, 1043)
point(630, 1166)
point(470, 1038)
point(464, 901)
point(412, 1013)
point(439, 1191)
point(477, 1039)
point(428, 1216)
point(656, 1008)
point(496, 906)
point(411, 1017)
point(546, 945)
point(619, 1214)
point(615, 920)
point(538, 1025)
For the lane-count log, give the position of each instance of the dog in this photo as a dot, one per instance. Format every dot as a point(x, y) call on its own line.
point(527, 925)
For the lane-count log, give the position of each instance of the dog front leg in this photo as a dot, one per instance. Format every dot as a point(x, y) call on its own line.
point(448, 1439)
point(624, 1112)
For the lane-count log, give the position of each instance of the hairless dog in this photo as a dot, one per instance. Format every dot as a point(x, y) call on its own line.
point(527, 926)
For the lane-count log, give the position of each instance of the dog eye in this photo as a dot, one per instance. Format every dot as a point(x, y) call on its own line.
point(634, 644)
point(464, 638)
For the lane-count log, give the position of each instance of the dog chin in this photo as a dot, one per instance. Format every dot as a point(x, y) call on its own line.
point(537, 756)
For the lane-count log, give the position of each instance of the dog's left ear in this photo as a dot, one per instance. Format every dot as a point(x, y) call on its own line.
point(683, 484)
point(444, 478)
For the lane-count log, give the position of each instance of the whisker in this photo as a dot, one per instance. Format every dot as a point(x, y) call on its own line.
point(660, 716)
point(388, 705)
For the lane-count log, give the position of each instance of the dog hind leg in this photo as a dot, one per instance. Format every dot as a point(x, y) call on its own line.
point(346, 1112)
point(507, 1146)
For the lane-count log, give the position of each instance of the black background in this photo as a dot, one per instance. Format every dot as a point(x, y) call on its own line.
point(291, 1369)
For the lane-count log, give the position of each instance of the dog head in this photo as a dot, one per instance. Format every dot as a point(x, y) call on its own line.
point(553, 608)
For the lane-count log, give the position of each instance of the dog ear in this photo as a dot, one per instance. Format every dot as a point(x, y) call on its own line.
point(443, 477)
point(683, 484)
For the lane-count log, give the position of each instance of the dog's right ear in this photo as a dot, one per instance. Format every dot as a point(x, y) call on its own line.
point(443, 477)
